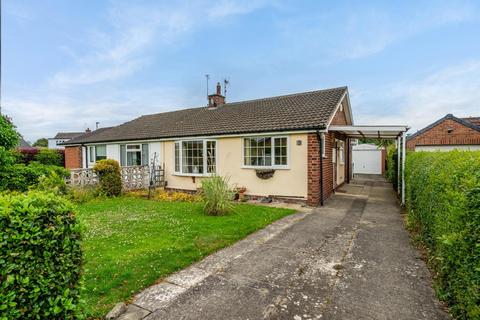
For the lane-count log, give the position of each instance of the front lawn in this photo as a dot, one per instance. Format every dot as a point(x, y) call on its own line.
point(130, 243)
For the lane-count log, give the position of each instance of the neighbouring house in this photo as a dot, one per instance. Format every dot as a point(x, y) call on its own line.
point(447, 133)
point(368, 158)
point(22, 143)
point(61, 137)
point(294, 147)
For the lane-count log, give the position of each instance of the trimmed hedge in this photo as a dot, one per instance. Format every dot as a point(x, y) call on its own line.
point(110, 177)
point(392, 166)
point(40, 257)
point(443, 207)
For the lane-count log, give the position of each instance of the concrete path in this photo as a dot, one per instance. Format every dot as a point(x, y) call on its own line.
point(351, 259)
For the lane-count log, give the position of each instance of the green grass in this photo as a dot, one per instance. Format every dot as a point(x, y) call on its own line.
point(130, 243)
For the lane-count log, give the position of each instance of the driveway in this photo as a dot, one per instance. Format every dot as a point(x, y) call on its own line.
point(351, 259)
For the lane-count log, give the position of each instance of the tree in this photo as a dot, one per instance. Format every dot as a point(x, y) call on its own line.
point(42, 142)
point(8, 134)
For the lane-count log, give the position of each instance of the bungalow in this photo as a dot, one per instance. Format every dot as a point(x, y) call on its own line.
point(446, 134)
point(61, 137)
point(270, 146)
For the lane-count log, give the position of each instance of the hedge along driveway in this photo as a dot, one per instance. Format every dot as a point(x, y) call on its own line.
point(130, 243)
point(443, 203)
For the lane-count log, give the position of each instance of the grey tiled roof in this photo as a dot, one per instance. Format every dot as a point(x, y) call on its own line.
point(301, 111)
point(68, 135)
point(474, 120)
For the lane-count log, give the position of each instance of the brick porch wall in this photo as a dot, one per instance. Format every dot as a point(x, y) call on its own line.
point(73, 157)
point(313, 167)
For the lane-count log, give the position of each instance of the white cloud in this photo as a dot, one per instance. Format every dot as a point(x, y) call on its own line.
point(421, 102)
point(42, 115)
point(364, 30)
point(88, 91)
point(135, 29)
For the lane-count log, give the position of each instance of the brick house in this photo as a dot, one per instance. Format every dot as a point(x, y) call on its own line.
point(281, 147)
point(446, 134)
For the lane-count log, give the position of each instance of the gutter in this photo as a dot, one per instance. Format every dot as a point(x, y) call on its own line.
point(320, 145)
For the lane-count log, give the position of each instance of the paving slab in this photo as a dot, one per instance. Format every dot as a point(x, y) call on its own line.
point(351, 259)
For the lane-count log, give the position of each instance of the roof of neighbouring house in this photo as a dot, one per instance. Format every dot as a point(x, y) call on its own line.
point(22, 143)
point(468, 122)
point(294, 112)
point(68, 135)
point(474, 120)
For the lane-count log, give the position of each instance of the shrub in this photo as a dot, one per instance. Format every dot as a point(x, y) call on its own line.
point(109, 175)
point(54, 183)
point(83, 194)
point(49, 157)
point(443, 206)
point(20, 177)
point(9, 137)
point(40, 257)
point(392, 169)
point(217, 195)
point(27, 154)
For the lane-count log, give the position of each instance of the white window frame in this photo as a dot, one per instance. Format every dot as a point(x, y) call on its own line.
point(93, 150)
point(136, 150)
point(273, 166)
point(205, 165)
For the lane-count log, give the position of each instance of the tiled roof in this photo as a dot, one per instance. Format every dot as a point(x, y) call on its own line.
point(68, 135)
point(474, 120)
point(301, 111)
point(463, 121)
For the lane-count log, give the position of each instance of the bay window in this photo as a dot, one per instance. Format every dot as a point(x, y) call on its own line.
point(265, 152)
point(195, 157)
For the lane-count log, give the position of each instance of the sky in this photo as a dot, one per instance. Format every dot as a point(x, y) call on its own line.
point(68, 64)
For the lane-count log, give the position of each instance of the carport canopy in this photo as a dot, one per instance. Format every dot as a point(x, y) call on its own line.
point(394, 132)
point(379, 132)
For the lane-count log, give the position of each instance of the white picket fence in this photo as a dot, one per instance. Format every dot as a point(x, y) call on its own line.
point(133, 177)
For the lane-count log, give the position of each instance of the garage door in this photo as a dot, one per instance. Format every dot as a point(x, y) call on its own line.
point(367, 161)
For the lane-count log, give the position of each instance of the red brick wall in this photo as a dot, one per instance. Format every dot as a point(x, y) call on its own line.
point(313, 170)
point(439, 135)
point(313, 165)
point(73, 157)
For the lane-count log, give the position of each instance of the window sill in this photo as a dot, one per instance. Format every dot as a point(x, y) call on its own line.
point(266, 168)
point(192, 174)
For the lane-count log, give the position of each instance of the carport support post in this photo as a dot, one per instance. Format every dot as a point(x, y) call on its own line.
point(398, 164)
point(403, 168)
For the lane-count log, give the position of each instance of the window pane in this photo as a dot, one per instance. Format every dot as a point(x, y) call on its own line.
point(177, 157)
point(134, 158)
point(145, 154)
point(211, 156)
point(281, 151)
point(258, 151)
point(100, 152)
point(91, 155)
point(192, 158)
point(122, 155)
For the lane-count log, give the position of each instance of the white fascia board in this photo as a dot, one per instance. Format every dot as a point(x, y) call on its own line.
point(368, 128)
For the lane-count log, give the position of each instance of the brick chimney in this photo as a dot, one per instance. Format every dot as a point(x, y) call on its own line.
point(215, 100)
